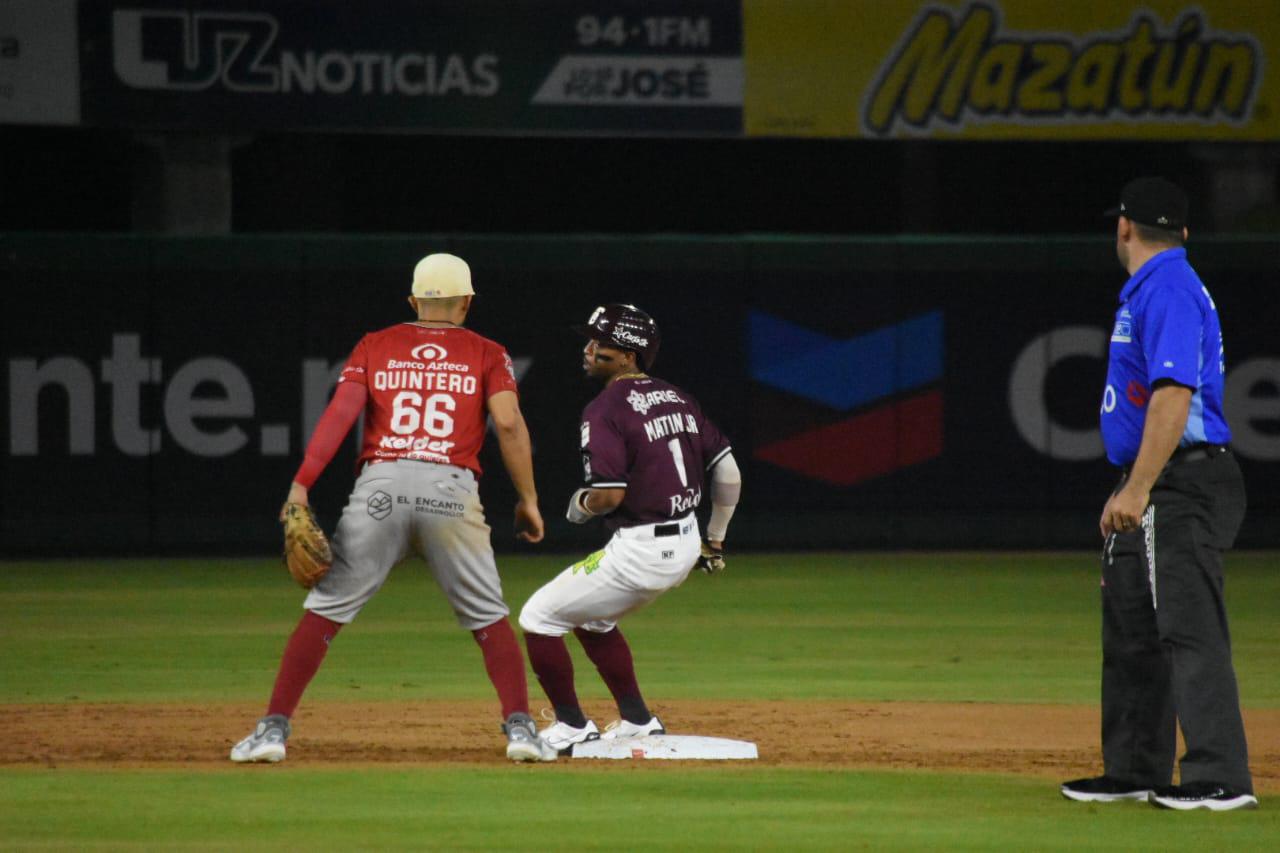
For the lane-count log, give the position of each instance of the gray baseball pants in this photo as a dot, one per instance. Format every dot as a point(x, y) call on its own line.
point(403, 507)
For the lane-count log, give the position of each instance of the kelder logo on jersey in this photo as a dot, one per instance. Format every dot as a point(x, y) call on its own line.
point(876, 412)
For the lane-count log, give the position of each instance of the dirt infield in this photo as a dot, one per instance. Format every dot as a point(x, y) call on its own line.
point(1051, 741)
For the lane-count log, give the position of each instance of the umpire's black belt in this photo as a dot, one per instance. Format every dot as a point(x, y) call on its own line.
point(1191, 453)
point(1197, 453)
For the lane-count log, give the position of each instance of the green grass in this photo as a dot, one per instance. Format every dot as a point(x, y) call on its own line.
point(953, 627)
point(553, 808)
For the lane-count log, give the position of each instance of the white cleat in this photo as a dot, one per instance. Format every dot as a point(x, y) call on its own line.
point(265, 743)
point(523, 742)
point(621, 729)
point(561, 736)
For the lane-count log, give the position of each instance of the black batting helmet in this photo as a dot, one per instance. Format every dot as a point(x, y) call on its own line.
point(624, 327)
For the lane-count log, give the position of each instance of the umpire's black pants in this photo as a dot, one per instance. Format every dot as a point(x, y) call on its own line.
point(1166, 650)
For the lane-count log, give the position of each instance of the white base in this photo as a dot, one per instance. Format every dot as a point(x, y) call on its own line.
point(668, 746)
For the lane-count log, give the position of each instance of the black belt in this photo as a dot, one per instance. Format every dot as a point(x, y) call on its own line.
point(1190, 453)
point(672, 529)
point(1197, 453)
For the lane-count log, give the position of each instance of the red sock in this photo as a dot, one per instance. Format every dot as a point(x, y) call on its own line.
point(549, 657)
point(302, 657)
point(612, 656)
point(505, 665)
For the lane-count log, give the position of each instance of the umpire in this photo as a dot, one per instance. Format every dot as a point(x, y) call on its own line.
point(1166, 651)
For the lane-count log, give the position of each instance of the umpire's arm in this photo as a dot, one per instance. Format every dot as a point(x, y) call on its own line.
point(1166, 419)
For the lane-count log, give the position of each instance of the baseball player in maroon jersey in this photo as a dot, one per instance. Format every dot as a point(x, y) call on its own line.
point(425, 389)
point(646, 447)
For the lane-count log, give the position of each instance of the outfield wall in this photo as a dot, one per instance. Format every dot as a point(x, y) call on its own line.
point(910, 392)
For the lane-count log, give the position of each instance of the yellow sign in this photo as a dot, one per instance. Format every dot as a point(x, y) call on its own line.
point(1030, 69)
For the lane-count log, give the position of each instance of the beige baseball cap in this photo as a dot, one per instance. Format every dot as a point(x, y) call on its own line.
point(440, 276)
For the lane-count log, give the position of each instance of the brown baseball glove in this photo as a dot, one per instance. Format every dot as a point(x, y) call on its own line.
point(306, 550)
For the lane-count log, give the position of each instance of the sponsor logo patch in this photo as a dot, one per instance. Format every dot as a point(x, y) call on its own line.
point(429, 352)
point(638, 402)
point(589, 564)
point(1123, 332)
point(379, 505)
point(628, 337)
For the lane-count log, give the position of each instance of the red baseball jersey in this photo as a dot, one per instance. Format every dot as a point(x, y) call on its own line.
point(428, 389)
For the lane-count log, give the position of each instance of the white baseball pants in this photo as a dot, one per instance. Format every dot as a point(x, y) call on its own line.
point(635, 567)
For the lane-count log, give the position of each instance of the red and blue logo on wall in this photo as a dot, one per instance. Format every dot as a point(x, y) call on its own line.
point(850, 409)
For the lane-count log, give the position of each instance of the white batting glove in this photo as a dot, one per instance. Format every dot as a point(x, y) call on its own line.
point(578, 512)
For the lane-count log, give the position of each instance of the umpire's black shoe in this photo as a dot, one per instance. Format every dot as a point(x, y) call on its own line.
point(1202, 795)
point(1103, 789)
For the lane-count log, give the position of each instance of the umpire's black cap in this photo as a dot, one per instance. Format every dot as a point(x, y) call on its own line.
point(1153, 201)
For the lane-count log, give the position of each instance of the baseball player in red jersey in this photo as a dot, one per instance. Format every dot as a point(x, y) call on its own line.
point(425, 389)
point(646, 450)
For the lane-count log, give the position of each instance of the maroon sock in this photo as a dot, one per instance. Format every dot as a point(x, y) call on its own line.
point(612, 656)
point(505, 665)
point(549, 657)
point(302, 657)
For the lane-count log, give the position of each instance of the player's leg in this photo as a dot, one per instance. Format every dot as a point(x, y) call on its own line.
point(366, 544)
point(594, 594)
point(611, 654)
point(590, 589)
point(544, 626)
point(454, 539)
point(659, 563)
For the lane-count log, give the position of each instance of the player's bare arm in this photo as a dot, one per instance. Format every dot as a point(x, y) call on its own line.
point(517, 456)
point(1166, 419)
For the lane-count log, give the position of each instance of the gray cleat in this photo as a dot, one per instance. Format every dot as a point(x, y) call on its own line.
point(523, 743)
point(266, 743)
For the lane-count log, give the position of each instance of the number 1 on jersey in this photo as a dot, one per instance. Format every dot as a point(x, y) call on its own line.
point(677, 456)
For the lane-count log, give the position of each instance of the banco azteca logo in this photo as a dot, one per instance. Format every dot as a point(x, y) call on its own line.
point(429, 352)
point(379, 505)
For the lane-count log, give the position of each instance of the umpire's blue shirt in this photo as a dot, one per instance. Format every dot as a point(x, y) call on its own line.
point(1166, 328)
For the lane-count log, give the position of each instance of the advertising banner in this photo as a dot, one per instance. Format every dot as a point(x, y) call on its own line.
point(658, 66)
point(1031, 69)
point(912, 393)
point(39, 62)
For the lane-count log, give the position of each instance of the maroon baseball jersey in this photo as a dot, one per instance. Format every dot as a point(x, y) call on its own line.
point(651, 438)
